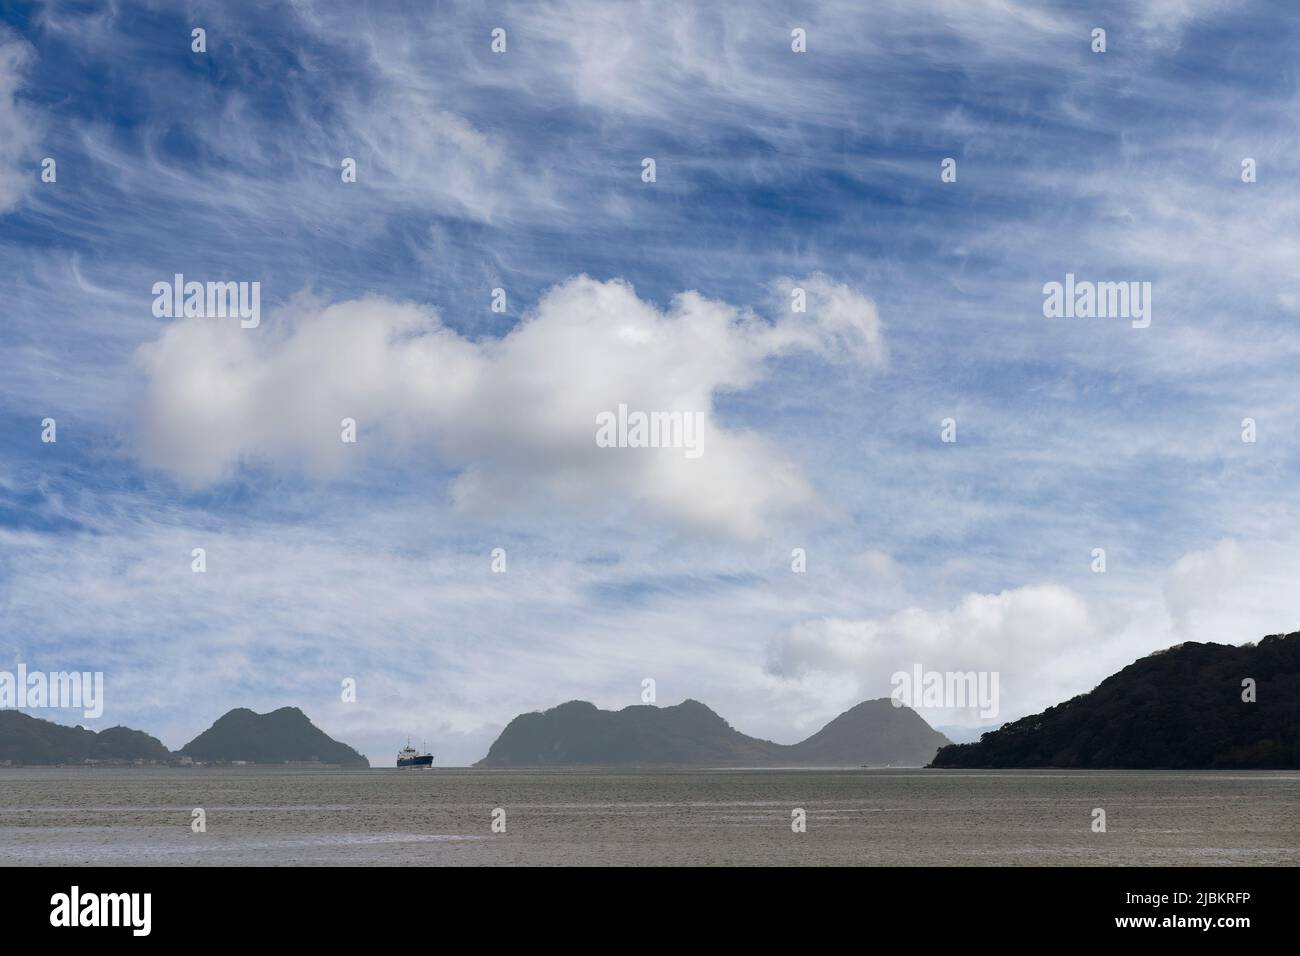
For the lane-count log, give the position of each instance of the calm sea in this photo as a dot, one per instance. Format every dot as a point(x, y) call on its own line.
point(444, 817)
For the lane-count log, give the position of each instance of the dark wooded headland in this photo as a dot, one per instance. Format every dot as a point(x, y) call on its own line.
point(1191, 707)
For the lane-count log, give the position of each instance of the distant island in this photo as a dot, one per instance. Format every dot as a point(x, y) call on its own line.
point(29, 740)
point(284, 736)
point(875, 733)
point(1180, 709)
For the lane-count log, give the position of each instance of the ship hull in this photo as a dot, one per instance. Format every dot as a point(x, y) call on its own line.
point(424, 760)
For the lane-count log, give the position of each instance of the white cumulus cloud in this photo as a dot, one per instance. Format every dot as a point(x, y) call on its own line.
point(515, 417)
point(1023, 635)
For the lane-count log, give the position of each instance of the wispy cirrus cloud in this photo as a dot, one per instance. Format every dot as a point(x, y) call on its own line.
point(19, 123)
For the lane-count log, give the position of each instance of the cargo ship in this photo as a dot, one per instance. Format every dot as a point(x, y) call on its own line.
point(408, 756)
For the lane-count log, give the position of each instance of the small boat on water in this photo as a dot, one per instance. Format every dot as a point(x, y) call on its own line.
point(408, 756)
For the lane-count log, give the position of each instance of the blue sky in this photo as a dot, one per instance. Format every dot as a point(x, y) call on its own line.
point(522, 171)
